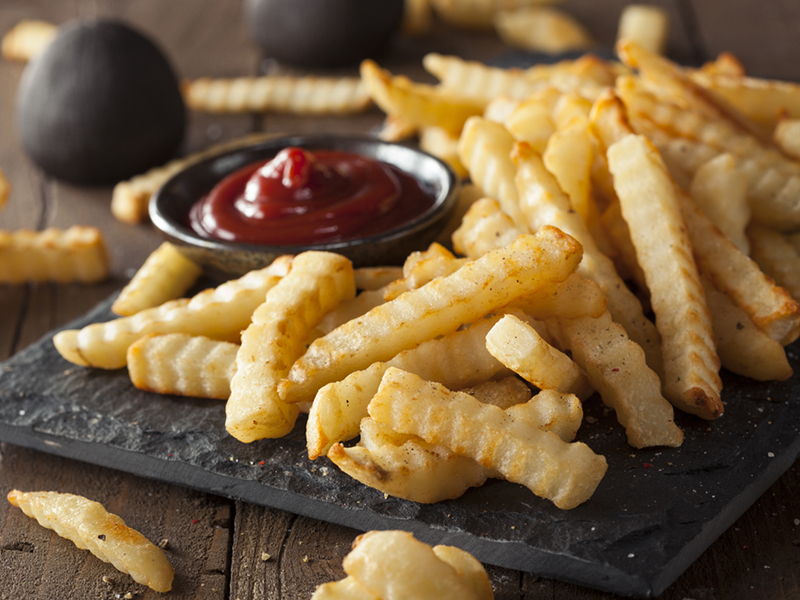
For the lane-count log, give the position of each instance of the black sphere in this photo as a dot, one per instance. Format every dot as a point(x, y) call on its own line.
point(100, 104)
point(323, 33)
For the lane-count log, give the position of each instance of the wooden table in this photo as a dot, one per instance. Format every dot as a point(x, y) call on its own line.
point(219, 547)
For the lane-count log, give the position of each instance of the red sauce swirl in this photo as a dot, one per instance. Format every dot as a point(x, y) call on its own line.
point(303, 198)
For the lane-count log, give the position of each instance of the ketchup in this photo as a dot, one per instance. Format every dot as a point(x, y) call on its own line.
point(303, 198)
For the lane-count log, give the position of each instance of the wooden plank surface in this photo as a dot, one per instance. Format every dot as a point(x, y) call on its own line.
point(226, 549)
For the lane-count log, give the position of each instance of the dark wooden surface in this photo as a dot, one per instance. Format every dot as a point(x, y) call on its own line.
point(225, 549)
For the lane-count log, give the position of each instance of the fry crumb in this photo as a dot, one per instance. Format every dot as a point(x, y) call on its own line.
point(265, 557)
point(163, 544)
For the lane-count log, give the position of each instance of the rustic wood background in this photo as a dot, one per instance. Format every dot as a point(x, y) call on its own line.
point(218, 546)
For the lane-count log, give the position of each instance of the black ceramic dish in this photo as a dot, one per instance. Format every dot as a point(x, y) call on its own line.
point(170, 205)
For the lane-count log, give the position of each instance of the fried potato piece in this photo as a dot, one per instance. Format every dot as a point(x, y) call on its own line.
point(220, 313)
point(541, 29)
point(743, 348)
point(549, 410)
point(373, 278)
point(544, 203)
point(406, 466)
point(184, 365)
point(616, 368)
point(344, 589)
point(503, 393)
point(457, 359)
point(165, 275)
point(532, 120)
point(276, 337)
point(393, 565)
point(574, 297)
point(787, 136)
point(77, 254)
point(420, 104)
point(442, 144)
point(436, 308)
point(306, 95)
point(485, 227)
point(396, 128)
point(351, 309)
point(27, 39)
point(691, 380)
point(422, 267)
point(485, 150)
point(468, 568)
point(468, 14)
point(90, 527)
point(5, 190)
point(647, 24)
point(725, 64)
point(566, 474)
point(720, 190)
point(776, 256)
point(130, 198)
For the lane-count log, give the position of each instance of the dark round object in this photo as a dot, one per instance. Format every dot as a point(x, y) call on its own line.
point(100, 104)
point(170, 206)
point(323, 33)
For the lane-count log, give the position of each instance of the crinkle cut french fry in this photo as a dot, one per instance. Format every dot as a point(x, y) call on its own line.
point(616, 368)
point(646, 24)
point(550, 410)
point(691, 380)
point(444, 145)
point(468, 568)
point(306, 95)
point(574, 297)
point(743, 348)
point(220, 313)
point(90, 527)
point(344, 589)
point(503, 392)
point(467, 196)
point(181, 364)
point(276, 337)
point(485, 226)
point(165, 275)
point(541, 29)
point(422, 267)
point(458, 359)
point(776, 256)
point(350, 309)
point(436, 308)
point(520, 348)
point(373, 278)
point(27, 39)
point(77, 254)
point(566, 474)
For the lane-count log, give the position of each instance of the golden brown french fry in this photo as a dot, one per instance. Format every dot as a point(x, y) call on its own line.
point(647, 24)
point(725, 64)
point(27, 39)
point(691, 381)
point(276, 336)
point(77, 254)
point(467, 196)
point(165, 275)
point(566, 474)
point(485, 227)
point(351, 309)
point(444, 145)
point(787, 136)
point(374, 278)
point(776, 256)
point(423, 266)
point(504, 392)
point(541, 29)
point(532, 120)
point(396, 128)
point(436, 308)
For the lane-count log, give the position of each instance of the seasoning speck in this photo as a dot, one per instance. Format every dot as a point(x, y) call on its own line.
point(102, 537)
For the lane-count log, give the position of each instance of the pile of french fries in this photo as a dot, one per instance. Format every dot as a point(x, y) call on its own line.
point(601, 193)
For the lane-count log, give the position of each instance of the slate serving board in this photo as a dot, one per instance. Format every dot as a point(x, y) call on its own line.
point(653, 514)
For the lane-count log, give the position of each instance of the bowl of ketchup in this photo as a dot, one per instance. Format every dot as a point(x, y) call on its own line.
point(369, 200)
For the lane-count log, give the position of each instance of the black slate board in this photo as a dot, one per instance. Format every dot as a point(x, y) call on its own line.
point(653, 514)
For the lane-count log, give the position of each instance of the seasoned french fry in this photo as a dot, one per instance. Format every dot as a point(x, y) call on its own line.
point(550, 410)
point(742, 347)
point(485, 150)
point(574, 297)
point(130, 198)
point(691, 381)
point(276, 337)
point(351, 309)
point(532, 120)
point(436, 308)
point(647, 24)
point(616, 368)
point(458, 359)
point(165, 275)
point(485, 227)
point(307, 95)
point(27, 39)
point(90, 527)
point(181, 364)
point(519, 347)
point(776, 256)
point(420, 104)
point(541, 29)
point(220, 313)
point(77, 254)
point(467, 196)
point(566, 474)
point(421, 267)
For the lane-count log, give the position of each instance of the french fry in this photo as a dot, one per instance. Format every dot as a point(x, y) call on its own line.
point(725, 64)
point(90, 527)
point(77, 254)
point(442, 144)
point(777, 257)
point(220, 313)
point(485, 150)
point(468, 568)
point(307, 95)
point(276, 337)
point(469, 14)
point(566, 474)
point(520, 348)
point(616, 368)
point(130, 198)
point(436, 308)
point(532, 120)
point(691, 381)
point(550, 410)
point(351, 309)
point(484, 227)
point(181, 364)
point(574, 297)
point(647, 24)
point(742, 347)
point(467, 196)
point(374, 278)
point(343, 589)
point(787, 136)
point(5, 190)
point(541, 29)
point(420, 104)
point(503, 392)
point(396, 128)
point(165, 275)
point(423, 266)
point(458, 359)
point(27, 39)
